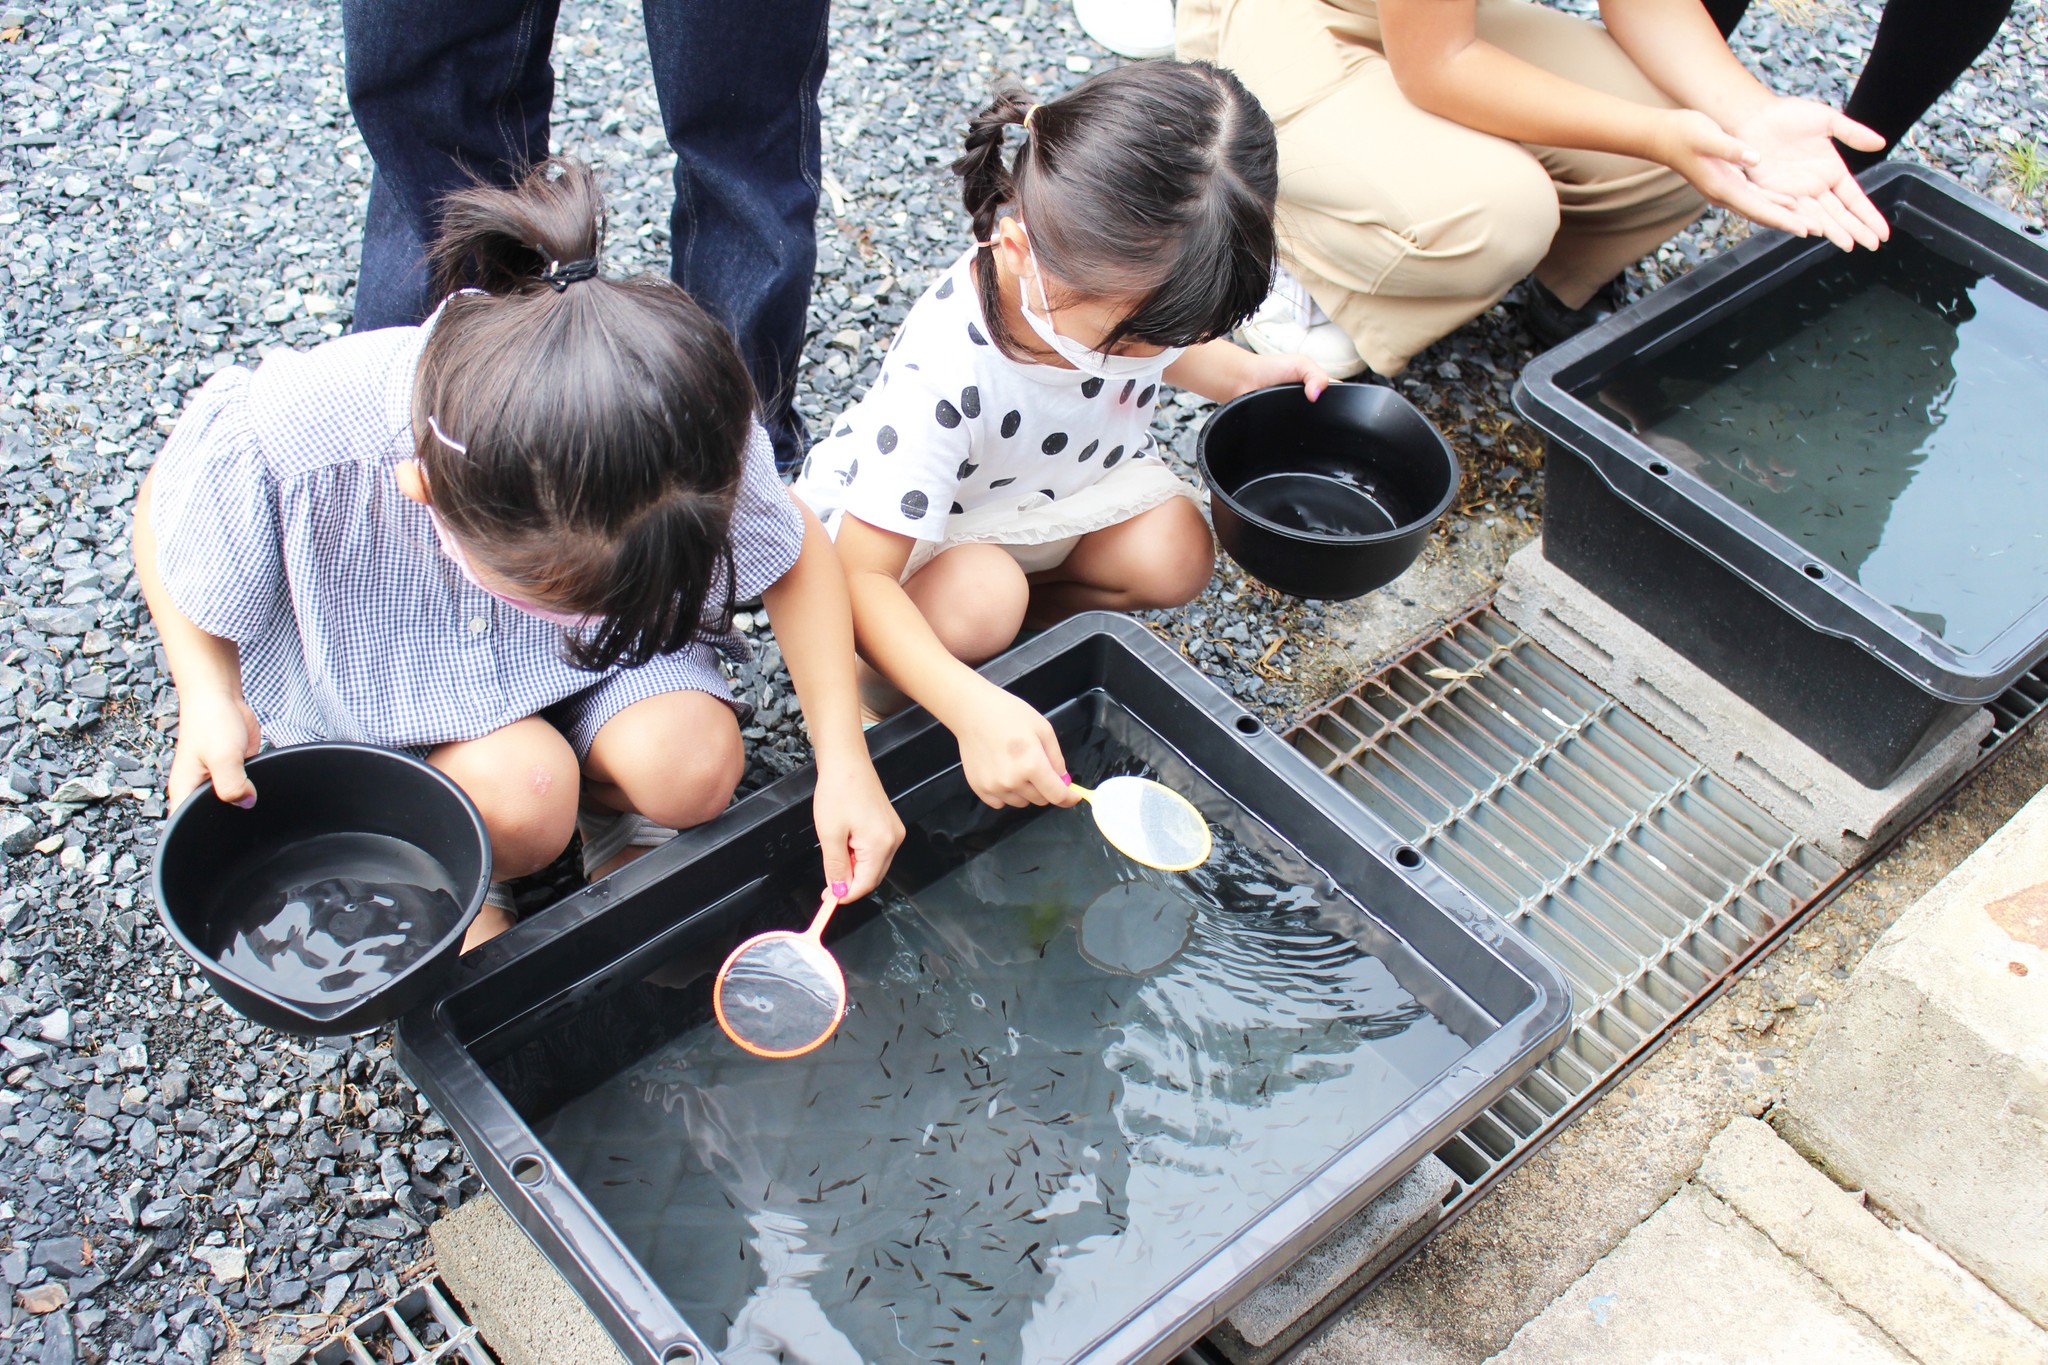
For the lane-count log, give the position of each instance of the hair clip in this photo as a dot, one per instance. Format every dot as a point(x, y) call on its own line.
point(560, 276)
point(434, 425)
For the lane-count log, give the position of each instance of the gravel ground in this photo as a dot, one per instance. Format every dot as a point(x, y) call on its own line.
point(180, 189)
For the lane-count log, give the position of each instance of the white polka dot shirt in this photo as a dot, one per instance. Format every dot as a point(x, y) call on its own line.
point(953, 425)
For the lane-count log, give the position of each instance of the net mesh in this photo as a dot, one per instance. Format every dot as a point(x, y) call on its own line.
point(1150, 823)
point(781, 994)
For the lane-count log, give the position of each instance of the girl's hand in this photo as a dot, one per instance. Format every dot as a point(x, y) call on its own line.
point(1221, 370)
point(857, 828)
point(1011, 756)
point(1717, 165)
point(217, 733)
point(1265, 371)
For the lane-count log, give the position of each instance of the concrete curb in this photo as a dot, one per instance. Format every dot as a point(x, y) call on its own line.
point(1747, 749)
point(1927, 1085)
point(1270, 1319)
point(526, 1312)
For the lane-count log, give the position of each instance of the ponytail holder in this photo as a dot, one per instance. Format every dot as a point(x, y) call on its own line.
point(561, 274)
point(1030, 114)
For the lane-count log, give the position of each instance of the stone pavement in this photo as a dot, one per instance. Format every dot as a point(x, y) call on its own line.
point(1762, 1259)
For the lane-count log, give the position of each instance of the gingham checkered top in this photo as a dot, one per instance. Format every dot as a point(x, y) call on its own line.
point(280, 527)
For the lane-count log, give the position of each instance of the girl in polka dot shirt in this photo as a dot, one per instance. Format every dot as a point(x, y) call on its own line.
point(1002, 472)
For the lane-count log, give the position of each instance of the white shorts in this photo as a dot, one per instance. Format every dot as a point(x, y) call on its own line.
point(1040, 533)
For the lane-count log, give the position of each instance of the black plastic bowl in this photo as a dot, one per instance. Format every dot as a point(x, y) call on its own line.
point(304, 791)
point(1329, 499)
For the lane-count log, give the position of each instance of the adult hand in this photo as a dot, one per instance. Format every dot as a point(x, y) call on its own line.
point(858, 829)
point(1717, 165)
point(1011, 756)
point(217, 733)
point(1794, 141)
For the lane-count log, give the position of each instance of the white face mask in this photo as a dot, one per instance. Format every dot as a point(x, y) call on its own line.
point(1086, 359)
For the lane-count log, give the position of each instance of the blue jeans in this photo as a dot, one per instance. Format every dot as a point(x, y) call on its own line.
point(447, 92)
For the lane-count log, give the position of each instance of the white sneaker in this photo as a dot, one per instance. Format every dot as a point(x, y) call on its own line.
point(1290, 322)
point(606, 835)
point(1129, 28)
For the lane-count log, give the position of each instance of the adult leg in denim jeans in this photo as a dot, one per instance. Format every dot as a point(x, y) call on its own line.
point(442, 93)
point(738, 82)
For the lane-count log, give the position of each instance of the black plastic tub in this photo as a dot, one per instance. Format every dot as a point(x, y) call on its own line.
point(546, 1017)
point(1811, 584)
point(1327, 499)
point(310, 791)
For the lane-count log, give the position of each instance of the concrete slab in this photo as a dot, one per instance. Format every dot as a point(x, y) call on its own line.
point(1694, 1283)
point(526, 1312)
point(1268, 1322)
point(1930, 1308)
point(1738, 742)
point(1927, 1085)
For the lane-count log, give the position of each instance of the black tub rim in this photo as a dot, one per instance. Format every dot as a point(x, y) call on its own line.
point(1320, 538)
point(1758, 554)
point(434, 962)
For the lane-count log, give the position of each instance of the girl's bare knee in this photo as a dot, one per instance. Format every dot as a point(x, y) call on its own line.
point(1191, 566)
point(677, 758)
point(974, 598)
point(1178, 558)
point(523, 781)
point(698, 788)
point(530, 810)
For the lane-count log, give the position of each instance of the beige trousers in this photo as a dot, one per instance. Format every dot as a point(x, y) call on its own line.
point(1404, 225)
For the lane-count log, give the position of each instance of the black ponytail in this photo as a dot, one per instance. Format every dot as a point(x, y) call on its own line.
point(1156, 179)
point(603, 423)
point(501, 241)
point(986, 185)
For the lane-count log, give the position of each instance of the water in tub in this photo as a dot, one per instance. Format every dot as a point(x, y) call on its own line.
point(1886, 412)
point(1062, 1082)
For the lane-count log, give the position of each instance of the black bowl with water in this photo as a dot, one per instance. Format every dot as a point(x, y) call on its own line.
point(1329, 499)
point(336, 903)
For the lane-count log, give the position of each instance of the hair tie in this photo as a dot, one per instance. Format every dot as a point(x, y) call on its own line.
point(1030, 114)
point(561, 274)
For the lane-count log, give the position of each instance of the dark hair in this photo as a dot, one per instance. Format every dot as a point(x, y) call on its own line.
point(1156, 179)
point(606, 420)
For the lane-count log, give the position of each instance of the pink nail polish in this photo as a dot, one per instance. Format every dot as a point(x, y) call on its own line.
point(839, 888)
point(1067, 778)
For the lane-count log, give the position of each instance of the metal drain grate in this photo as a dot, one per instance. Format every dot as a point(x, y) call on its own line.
point(2020, 704)
point(422, 1326)
point(1646, 877)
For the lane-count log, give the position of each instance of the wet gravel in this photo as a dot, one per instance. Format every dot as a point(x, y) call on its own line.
point(180, 189)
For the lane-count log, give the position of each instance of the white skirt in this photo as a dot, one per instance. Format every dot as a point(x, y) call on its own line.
point(1040, 532)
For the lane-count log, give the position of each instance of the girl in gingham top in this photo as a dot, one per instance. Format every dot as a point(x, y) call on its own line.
point(1001, 471)
point(512, 539)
